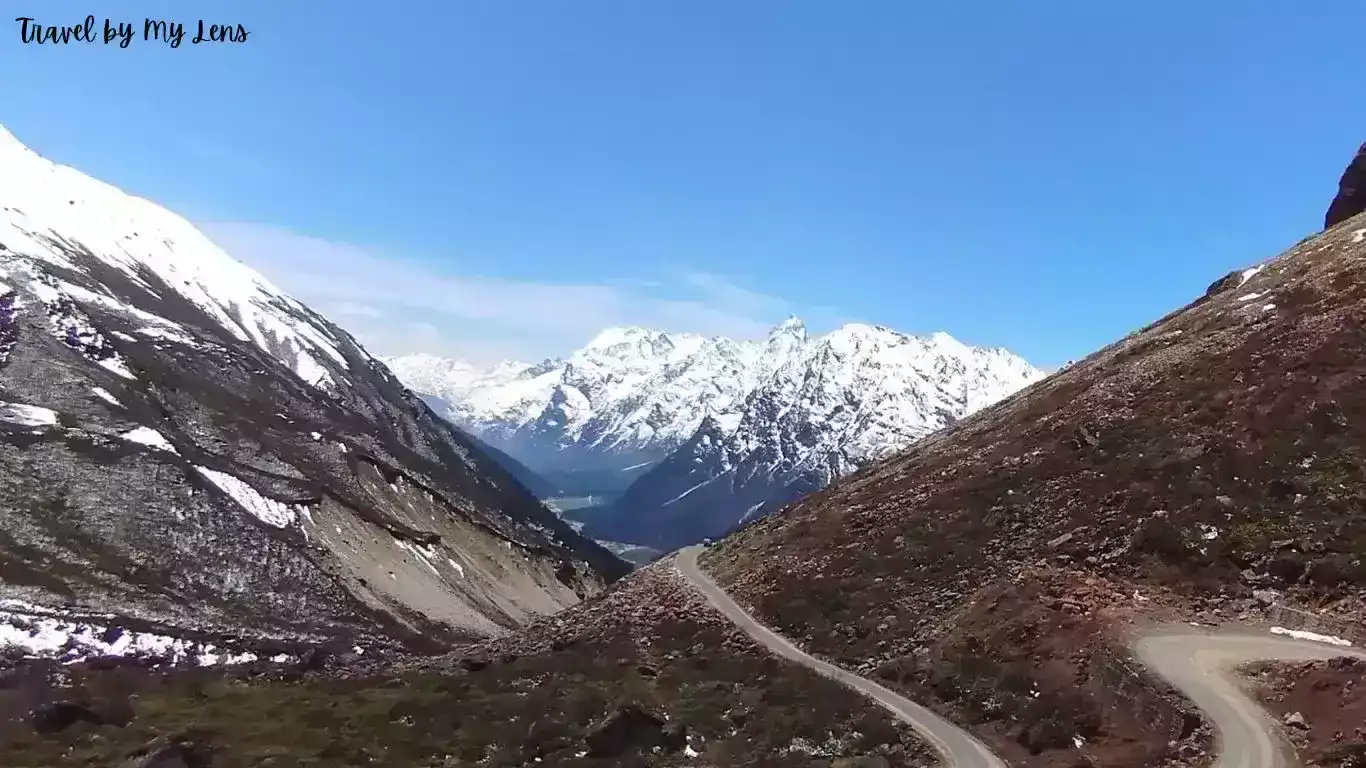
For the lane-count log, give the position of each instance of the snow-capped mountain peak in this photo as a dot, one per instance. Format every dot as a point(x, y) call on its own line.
point(145, 243)
point(835, 404)
point(636, 394)
point(171, 423)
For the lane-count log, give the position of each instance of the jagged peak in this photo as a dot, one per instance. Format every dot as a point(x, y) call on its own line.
point(622, 334)
point(866, 329)
point(793, 325)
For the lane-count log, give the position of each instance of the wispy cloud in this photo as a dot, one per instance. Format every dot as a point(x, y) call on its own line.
point(397, 305)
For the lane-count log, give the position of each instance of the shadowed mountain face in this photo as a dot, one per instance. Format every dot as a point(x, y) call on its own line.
point(184, 445)
point(1351, 196)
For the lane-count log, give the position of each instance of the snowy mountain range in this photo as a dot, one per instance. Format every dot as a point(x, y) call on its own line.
point(184, 446)
point(708, 431)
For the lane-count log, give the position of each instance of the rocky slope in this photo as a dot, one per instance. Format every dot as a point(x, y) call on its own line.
point(1203, 467)
point(185, 448)
point(648, 675)
point(1321, 704)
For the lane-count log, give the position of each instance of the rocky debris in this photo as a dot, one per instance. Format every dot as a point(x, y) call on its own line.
point(1322, 705)
point(1351, 196)
point(188, 751)
point(656, 598)
point(648, 673)
point(58, 716)
point(1224, 283)
point(630, 728)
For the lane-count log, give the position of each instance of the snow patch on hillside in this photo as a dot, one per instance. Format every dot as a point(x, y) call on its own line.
point(104, 395)
point(268, 511)
point(150, 438)
point(40, 632)
point(23, 415)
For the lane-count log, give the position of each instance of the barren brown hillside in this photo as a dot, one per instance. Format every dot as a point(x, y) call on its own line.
point(1205, 466)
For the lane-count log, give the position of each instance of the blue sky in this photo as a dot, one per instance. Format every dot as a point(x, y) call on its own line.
point(499, 178)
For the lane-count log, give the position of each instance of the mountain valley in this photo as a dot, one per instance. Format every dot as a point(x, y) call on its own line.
point(681, 437)
point(230, 537)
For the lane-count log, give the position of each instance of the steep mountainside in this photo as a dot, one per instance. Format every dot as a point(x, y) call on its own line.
point(182, 445)
point(844, 400)
point(539, 486)
point(1204, 467)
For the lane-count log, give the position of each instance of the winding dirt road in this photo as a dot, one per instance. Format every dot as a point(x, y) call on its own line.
point(956, 746)
point(1199, 663)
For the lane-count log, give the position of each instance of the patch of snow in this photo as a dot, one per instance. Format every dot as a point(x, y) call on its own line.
point(1250, 297)
point(27, 415)
point(423, 552)
point(316, 436)
point(456, 566)
point(1359, 236)
point(122, 335)
point(1248, 274)
point(104, 395)
point(1268, 307)
point(149, 437)
point(618, 547)
point(47, 633)
point(115, 365)
point(684, 494)
point(169, 335)
point(1300, 634)
point(268, 511)
point(688, 751)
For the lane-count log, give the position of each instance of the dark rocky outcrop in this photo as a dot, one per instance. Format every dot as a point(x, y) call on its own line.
point(61, 715)
point(188, 751)
point(629, 728)
point(1351, 197)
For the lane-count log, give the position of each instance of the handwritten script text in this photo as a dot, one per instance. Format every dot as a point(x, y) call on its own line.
point(123, 33)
